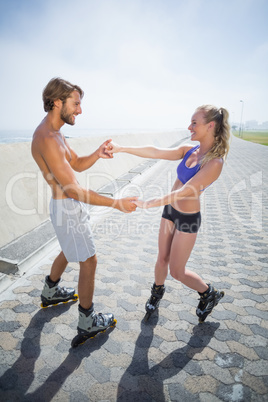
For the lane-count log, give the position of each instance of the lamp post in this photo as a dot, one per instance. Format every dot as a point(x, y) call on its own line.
point(240, 128)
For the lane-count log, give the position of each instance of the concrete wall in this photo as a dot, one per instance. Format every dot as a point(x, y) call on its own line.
point(24, 196)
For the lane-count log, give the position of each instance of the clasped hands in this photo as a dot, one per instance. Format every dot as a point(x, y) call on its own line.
point(107, 150)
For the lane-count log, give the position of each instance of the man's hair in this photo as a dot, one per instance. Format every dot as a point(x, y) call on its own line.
point(57, 88)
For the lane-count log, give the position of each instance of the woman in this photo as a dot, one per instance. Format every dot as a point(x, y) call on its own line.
point(181, 219)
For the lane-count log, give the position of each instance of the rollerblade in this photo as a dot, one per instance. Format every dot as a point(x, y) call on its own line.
point(208, 301)
point(90, 324)
point(53, 294)
point(157, 292)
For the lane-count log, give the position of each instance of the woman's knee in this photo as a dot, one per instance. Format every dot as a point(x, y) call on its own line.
point(163, 259)
point(177, 274)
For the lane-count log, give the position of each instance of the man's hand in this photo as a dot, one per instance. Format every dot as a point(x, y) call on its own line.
point(141, 204)
point(126, 205)
point(112, 148)
point(103, 150)
point(144, 204)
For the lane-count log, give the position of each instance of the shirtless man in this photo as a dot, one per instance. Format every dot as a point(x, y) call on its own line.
point(58, 161)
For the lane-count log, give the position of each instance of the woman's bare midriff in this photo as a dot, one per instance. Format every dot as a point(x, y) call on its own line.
point(187, 205)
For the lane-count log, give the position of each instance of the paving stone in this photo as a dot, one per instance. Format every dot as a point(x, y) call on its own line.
point(204, 383)
point(7, 341)
point(193, 368)
point(252, 341)
point(254, 383)
point(25, 308)
point(126, 305)
point(229, 360)
point(235, 309)
point(234, 393)
point(244, 351)
point(8, 315)
point(225, 335)
point(35, 293)
point(219, 373)
point(100, 373)
point(8, 304)
point(188, 317)
point(110, 279)
point(207, 397)
point(262, 352)
point(177, 390)
point(9, 326)
point(258, 313)
point(218, 346)
point(132, 291)
point(78, 396)
point(250, 319)
point(256, 368)
point(224, 315)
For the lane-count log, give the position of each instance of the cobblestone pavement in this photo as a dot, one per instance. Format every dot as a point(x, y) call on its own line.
point(171, 357)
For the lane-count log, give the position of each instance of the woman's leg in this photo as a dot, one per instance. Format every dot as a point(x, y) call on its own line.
point(181, 248)
point(166, 234)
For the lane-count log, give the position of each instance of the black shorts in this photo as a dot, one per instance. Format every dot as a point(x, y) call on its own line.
point(184, 222)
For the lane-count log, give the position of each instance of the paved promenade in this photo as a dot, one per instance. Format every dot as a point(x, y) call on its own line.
point(171, 357)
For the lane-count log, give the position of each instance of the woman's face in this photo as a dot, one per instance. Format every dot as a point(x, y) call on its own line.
point(198, 126)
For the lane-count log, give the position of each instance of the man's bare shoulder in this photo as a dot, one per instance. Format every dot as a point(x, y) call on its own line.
point(44, 144)
point(44, 137)
point(42, 132)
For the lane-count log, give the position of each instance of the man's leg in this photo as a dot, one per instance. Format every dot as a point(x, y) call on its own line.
point(58, 267)
point(52, 293)
point(89, 323)
point(86, 282)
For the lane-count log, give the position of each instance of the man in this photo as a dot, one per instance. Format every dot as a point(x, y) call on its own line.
point(58, 161)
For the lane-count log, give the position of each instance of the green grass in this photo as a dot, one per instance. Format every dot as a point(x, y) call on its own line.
point(261, 137)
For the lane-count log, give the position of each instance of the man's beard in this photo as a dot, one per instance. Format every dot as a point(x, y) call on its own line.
point(67, 117)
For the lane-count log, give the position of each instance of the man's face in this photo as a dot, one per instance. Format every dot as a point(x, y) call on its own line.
point(71, 108)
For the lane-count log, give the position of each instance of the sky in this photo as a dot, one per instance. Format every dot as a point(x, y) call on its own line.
point(144, 64)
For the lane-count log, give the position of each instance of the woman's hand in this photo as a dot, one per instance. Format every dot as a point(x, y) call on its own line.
point(140, 204)
point(144, 204)
point(112, 148)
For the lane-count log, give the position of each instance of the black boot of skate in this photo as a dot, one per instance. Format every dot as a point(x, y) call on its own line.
point(208, 300)
point(90, 324)
point(157, 292)
point(53, 294)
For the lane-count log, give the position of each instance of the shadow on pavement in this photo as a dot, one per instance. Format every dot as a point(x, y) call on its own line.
point(16, 381)
point(141, 383)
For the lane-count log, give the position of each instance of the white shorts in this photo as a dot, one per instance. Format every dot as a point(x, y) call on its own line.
point(70, 220)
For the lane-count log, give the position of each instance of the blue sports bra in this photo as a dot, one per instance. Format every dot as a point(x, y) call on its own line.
point(184, 172)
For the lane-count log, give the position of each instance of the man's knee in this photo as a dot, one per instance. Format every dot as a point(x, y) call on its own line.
point(90, 263)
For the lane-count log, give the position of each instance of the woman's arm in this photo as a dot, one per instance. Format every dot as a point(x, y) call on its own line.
point(206, 176)
point(149, 151)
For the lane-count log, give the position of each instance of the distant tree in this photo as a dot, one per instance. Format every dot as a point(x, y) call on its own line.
point(234, 127)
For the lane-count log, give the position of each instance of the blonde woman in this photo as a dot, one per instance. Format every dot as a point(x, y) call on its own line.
point(201, 165)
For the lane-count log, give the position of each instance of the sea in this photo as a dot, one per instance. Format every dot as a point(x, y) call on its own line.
point(14, 136)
